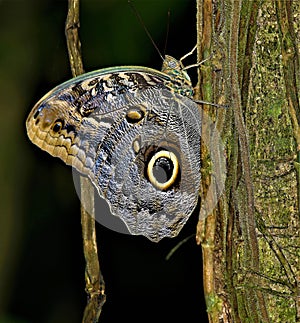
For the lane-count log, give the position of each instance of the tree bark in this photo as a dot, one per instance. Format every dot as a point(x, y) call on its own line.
point(250, 242)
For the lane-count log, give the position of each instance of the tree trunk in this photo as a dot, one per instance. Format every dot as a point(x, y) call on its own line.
point(250, 242)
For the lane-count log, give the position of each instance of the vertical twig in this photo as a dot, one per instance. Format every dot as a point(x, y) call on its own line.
point(93, 277)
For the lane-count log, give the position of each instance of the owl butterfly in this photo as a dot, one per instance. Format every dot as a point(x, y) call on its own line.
point(135, 132)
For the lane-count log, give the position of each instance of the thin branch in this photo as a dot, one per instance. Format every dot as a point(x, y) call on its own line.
point(73, 41)
point(93, 276)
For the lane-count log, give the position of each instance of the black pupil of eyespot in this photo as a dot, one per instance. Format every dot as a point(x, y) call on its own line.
point(57, 126)
point(163, 169)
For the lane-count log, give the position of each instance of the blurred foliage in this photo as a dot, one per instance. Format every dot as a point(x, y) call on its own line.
point(41, 261)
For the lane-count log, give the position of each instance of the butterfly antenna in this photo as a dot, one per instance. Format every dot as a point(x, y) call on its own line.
point(167, 32)
point(144, 26)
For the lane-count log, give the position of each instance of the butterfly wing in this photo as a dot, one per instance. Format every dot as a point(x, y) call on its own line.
point(136, 140)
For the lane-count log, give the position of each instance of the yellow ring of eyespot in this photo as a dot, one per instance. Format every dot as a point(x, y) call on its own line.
point(152, 179)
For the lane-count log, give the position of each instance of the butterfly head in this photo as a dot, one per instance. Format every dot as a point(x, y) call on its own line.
point(181, 81)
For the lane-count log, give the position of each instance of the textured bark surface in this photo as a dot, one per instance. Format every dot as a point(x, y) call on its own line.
point(251, 242)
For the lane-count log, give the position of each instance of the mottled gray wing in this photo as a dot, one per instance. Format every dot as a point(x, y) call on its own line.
point(140, 147)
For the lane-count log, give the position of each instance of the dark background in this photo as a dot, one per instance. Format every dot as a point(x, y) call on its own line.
point(41, 260)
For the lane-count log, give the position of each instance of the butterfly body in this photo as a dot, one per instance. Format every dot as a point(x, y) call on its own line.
point(135, 132)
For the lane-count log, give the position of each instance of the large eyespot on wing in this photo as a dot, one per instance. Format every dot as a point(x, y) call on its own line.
point(163, 169)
